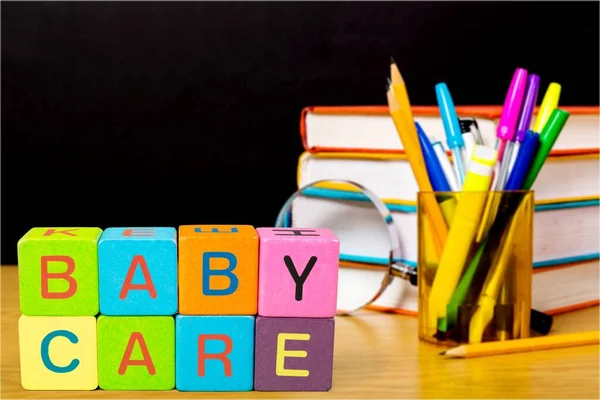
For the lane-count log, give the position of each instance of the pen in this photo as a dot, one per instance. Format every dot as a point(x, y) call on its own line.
point(487, 299)
point(452, 128)
point(549, 103)
point(461, 234)
point(469, 124)
point(523, 161)
point(436, 175)
point(469, 138)
point(510, 110)
point(548, 137)
point(505, 134)
point(442, 157)
point(531, 93)
point(460, 294)
point(524, 120)
point(439, 183)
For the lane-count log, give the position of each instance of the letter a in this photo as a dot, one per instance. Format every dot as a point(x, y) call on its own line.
point(128, 285)
point(127, 361)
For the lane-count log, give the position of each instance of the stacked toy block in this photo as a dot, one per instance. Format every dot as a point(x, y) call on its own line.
point(208, 308)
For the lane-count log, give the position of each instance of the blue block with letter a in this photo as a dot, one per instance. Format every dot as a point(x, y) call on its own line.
point(138, 271)
point(214, 353)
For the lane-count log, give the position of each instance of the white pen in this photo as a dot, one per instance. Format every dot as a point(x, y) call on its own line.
point(469, 140)
point(440, 152)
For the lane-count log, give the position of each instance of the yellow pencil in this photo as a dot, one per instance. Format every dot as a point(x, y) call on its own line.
point(400, 91)
point(408, 135)
point(524, 345)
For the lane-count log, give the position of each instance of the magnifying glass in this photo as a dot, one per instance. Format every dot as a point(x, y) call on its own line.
point(362, 279)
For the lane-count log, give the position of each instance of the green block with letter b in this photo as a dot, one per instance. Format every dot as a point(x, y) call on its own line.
point(58, 271)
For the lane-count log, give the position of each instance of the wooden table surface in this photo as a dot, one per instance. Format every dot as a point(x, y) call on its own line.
point(379, 356)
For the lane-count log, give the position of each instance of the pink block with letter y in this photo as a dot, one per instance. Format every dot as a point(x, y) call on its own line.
point(298, 272)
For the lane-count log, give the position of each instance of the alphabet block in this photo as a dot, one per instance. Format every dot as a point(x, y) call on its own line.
point(58, 271)
point(293, 354)
point(298, 272)
point(136, 353)
point(214, 353)
point(218, 270)
point(58, 353)
point(138, 271)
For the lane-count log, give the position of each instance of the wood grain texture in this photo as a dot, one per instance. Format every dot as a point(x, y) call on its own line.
point(379, 356)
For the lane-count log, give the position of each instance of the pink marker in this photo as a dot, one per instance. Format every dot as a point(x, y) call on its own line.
point(511, 110)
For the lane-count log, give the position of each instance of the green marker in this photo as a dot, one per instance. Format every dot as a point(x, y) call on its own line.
point(460, 294)
point(548, 136)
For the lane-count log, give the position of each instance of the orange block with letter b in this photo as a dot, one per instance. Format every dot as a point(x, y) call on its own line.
point(218, 270)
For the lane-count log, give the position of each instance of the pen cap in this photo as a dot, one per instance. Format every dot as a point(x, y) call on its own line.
point(531, 93)
point(448, 114)
point(512, 105)
point(481, 167)
point(484, 159)
point(541, 322)
point(549, 104)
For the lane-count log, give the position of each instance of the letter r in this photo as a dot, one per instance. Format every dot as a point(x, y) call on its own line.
point(203, 356)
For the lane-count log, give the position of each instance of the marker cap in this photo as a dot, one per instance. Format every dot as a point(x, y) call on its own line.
point(512, 105)
point(448, 114)
point(531, 93)
point(549, 103)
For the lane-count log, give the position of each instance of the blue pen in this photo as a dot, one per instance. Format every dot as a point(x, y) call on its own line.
point(525, 155)
point(452, 128)
point(439, 183)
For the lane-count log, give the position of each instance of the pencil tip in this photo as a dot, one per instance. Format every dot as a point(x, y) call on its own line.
point(443, 353)
point(392, 61)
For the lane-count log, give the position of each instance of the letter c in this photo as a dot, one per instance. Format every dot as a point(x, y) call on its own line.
point(46, 354)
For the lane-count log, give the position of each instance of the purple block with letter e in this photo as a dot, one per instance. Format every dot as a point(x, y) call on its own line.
point(298, 272)
point(293, 354)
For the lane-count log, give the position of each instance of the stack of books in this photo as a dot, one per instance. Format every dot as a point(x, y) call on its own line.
point(361, 144)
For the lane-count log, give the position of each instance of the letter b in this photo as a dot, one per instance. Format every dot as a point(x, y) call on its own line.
point(207, 273)
point(66, 275)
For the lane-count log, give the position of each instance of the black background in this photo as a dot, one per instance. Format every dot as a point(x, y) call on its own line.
point(163, 114)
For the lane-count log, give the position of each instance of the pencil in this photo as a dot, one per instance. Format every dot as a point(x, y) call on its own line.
point(408, 135)
point(400, 90)
point(524, 345)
